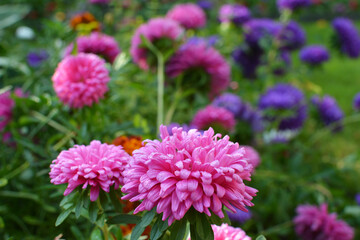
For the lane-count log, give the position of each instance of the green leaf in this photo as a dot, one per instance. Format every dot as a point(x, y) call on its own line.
point(261, 237)
point(124, 218)
point(93, 211)
point(62, 217)
point(178, 230)
point(203, 227)
point(140, 227)
point(10, 14)
point(96, 234)
point(3, 182)
point(158, 229)
point(115, 200)
point(79, 204)
point(352, 210)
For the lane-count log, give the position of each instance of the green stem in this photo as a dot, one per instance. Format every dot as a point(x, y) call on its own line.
point(105, 231)
point(160, 88)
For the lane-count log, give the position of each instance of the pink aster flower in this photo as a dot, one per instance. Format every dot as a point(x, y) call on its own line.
point(314, 222)
point(97, 165)
point(188, 169)
point(81, 80)
point(192, 57)
point(97, 43)
point(252, 155)
point(155, 30)
point(188, 15)
point(214, 117)
point(6, 106)
point(227, 232)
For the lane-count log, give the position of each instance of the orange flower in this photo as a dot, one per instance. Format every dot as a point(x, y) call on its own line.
point(129, 144)
point(84, 20)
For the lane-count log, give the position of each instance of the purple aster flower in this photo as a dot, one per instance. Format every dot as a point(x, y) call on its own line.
point(357, 102)
point(34, 59)
point(239, 216)
point(248, 59)
point(314, 54)
point(314, 222)
point(235, 13)
point(329, 111)
point(357, 198)
point(209, 41)
point(204, 4)
point(284, 104)
point(257, 29)
point(241, 110)
point(348, 36)
point(292, 4)
point(292, 36)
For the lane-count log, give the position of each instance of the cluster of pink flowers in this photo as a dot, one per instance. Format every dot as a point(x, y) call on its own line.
point(99, 1)
point(96, 165)
point(212, 116)
point(97, 43)
point(81, 80)
point(188, 169)
point(200, 56)
point(154, 30)
point(314, 222)
point(188, 15)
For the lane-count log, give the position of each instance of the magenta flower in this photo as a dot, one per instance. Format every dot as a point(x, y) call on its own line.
point(227, 232)
point(6, 106)
point(97, 43)
point(189, 15)
point(96, 165)
point(191, 57)
point(252, 156)
point(314, 222)
point(99, 1)
point(156, 30)
point(188, 169)
point(81, 80)
point(212, 116)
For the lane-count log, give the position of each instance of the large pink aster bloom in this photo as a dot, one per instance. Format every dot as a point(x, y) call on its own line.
point(197, 56)
point(154, 30)
point(98, 43)
point(96, 165)
point(189, 15)
point(252, 155)
point(188, 169)
point(314, 222)
point(6, 106)
point(212, 116)
point(81, 80)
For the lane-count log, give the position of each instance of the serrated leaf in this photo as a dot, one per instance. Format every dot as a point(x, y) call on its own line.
point(96, 234)
point(158, 229)
point(124, 218)
point(93, 211)
point(115, 200)
point(140, 227)
point(203, 227)
point(178, 230)
point(62, 217)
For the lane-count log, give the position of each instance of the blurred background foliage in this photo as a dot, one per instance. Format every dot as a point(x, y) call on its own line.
point(318, 166)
